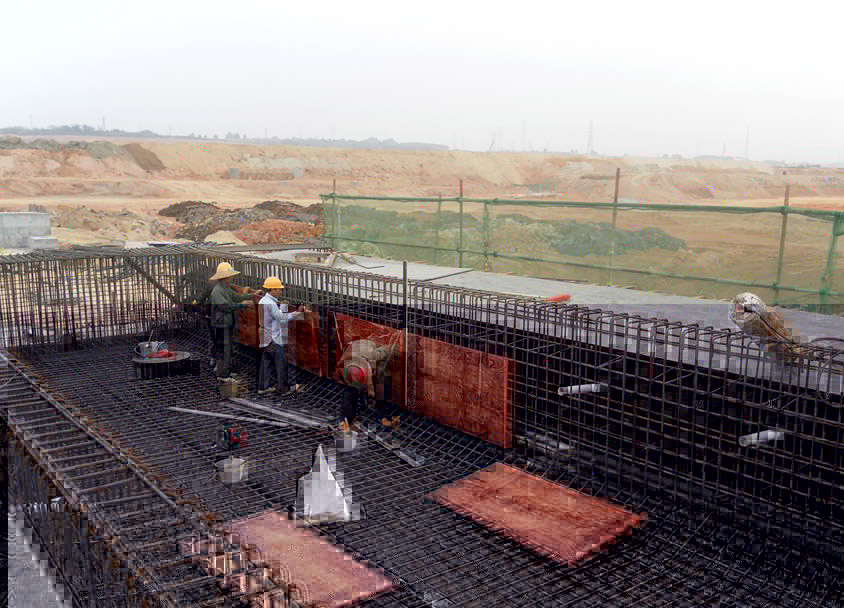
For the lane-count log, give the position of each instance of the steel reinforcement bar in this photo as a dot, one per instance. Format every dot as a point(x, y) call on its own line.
point(111, 526)
point(672, 403)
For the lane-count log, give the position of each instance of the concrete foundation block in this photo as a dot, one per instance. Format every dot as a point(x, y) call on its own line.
point(43, 242)
point(16, 227)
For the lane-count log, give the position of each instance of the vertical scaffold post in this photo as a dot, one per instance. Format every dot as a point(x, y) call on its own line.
point(437, 234)
point(460, 247)
point(614, 223)
point(405, 321)
point(486, 236)
point(336, 226)
point(783, 230)
point(837, 231)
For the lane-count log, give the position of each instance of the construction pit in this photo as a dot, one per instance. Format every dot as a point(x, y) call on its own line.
point(690, 467)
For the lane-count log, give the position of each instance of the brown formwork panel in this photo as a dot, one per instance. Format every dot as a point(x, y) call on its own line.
point(305, 350)
point(551, 519)
point(464, 389)
point(323, 573)
point(458, 387)
point(247, 326)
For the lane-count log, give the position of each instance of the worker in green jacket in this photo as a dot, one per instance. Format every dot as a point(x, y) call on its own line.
point(224, 302)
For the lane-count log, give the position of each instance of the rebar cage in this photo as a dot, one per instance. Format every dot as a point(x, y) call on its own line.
point(736, 457)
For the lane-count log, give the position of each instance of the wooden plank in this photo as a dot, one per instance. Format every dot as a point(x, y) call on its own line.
point(323, 573)
point(305, 349)
point(464, 389)
point(247, 329)
point(551, 519)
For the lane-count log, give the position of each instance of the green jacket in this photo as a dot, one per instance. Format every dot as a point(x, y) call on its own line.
point(224, 301)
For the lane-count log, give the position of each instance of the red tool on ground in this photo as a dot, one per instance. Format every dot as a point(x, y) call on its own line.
point(232, 436)
point(563, 297)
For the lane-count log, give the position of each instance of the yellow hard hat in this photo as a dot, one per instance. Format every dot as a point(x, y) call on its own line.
point(273, 283)
point(224, 271)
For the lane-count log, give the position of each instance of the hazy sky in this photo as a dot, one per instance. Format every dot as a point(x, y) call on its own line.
point(655, 77)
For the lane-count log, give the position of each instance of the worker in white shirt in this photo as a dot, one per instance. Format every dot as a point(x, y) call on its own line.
point(275, 320)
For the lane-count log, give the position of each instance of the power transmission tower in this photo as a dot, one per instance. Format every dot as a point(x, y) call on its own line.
point(590, 146)
point(524, 127)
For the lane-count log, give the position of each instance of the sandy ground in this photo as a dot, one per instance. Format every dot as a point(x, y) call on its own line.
point(105, 173)
point(110, 182)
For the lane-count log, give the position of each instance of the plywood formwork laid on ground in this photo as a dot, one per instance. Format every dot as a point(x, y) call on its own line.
point(323, 574)
point(553, 520)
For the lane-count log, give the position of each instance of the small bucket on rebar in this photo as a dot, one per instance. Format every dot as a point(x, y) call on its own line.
point(345, 441)
point(232, 470)
point(147, 349)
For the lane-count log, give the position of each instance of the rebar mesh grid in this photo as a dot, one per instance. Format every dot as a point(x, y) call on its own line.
point(109, 528)
point(729, 524)
point(688, 554)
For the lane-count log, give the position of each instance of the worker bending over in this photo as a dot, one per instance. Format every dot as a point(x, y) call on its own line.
point(365, 373)
point(275, 320)
point(225, 300)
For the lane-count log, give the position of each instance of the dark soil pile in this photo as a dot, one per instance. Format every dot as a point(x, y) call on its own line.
point(201, 219)
point(284, 210)
point(191, 212)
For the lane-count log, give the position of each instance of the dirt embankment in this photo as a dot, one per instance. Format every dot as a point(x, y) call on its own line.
point(233, 174)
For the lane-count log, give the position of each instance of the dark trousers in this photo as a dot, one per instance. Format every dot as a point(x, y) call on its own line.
point(273, 363)
point(221, 349)
point(212, 341)
point(354, 401)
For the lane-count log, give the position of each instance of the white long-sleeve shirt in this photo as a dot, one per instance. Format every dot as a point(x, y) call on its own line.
point(274, 321)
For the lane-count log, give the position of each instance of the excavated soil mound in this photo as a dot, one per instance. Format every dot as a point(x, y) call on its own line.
point(147, 160)
point(226, 220)
point(121, 224)
point(284, 210)
point(191, 212)
point(201, 219)
point(277, 231)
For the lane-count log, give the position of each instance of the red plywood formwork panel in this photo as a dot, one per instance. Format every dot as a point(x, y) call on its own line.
point(323, 573)
point(464, 388)
point(551, 519)
point(350, 329)
point(247, 326)
point(305, 349)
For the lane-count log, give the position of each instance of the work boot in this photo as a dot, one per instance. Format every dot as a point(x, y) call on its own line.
point(293, 389)
point(267, 391)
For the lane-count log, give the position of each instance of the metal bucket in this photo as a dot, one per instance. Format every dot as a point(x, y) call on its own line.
point(147, 349)
point(232, 470)
point(346, 442)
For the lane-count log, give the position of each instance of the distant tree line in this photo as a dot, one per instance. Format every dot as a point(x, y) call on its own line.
point(76, 130)
point(88, 130)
